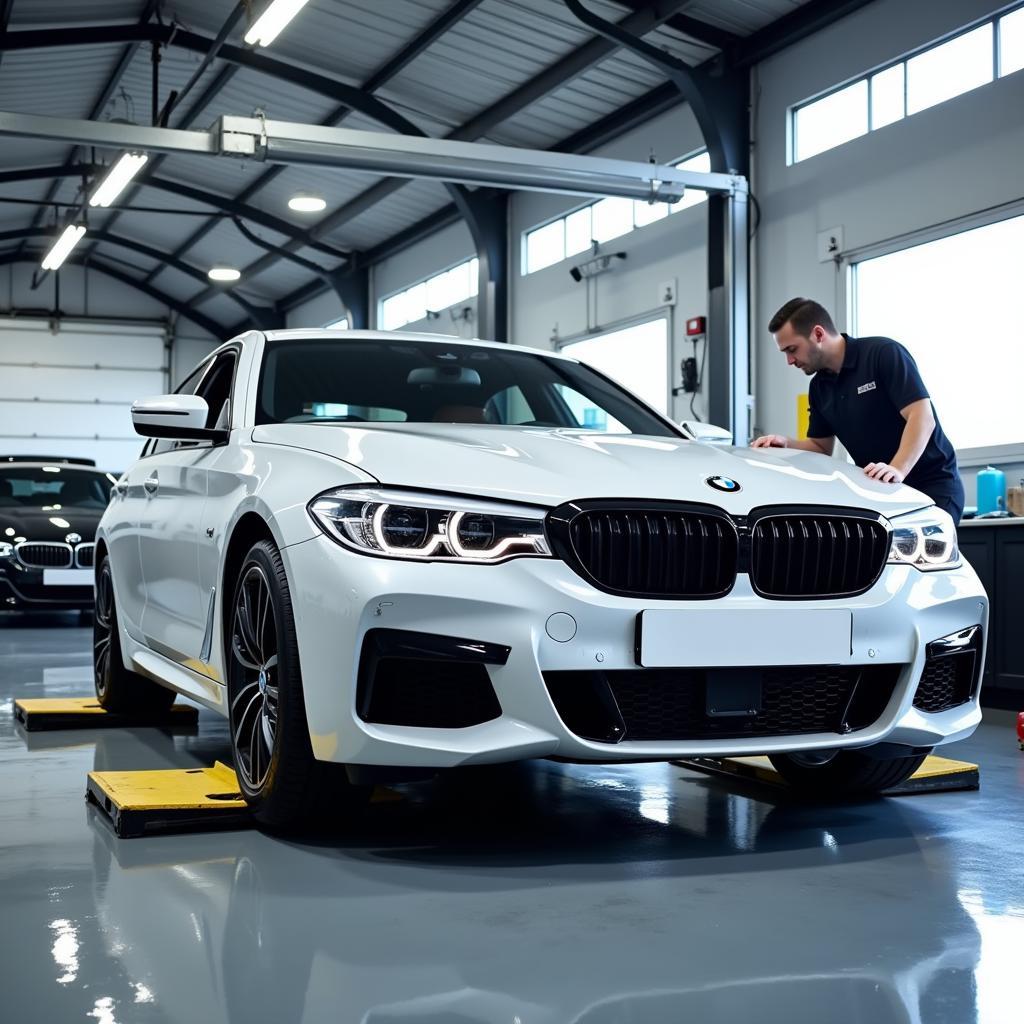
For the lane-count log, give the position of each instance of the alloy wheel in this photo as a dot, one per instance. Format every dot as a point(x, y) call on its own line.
point(254, 707)
point(102, 629)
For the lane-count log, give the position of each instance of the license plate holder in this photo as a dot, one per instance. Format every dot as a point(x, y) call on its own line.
point(733, 692)
point(739, 637)
point(67, 577)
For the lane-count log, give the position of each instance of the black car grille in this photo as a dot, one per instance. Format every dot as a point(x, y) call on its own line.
point(676, 551)
point(672, 704)
point(652, 551)
point(85, 556)
point(819, 555)
point(44, 555)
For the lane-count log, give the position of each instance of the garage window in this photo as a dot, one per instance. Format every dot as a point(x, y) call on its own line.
point(955, 303)
point(635, 357)
point(924, 79)
point(604, 220)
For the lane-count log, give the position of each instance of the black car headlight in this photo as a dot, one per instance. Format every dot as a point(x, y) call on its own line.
point(926, 540)
point(411, 525)
point(6, 550)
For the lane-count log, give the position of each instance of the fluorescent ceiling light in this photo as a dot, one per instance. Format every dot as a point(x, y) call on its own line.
point(266, 27)
point(304, 203)
point(119, 175)
point(223, 274)
point(67, 241)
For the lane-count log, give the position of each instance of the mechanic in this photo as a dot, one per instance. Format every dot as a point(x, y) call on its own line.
point(868, 393)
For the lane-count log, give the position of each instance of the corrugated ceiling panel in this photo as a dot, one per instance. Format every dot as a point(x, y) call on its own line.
point(409, 204)
point(225, 311)
point(225, 244)
point(177, 66)
point(280, 100)
point(224, 175)
point(742, 16)
point(48, 13)
point(280, 279)
point(159, 230)
point(346, 38)
point(500, 46)
point(57, 83)
point(15, 214)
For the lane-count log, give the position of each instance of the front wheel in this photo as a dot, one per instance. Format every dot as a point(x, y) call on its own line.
point(279, 777)
point(117, 689)
point(843, 774)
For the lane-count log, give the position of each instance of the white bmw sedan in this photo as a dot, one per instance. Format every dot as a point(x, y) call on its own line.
point(383, 554)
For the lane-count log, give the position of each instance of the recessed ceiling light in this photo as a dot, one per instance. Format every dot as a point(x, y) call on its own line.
point(223, 274)
point(304, 203)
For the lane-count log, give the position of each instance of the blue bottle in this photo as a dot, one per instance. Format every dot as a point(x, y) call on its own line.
point(991, 490)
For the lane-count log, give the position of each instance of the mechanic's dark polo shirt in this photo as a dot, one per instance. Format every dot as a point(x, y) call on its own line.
point(861, 405)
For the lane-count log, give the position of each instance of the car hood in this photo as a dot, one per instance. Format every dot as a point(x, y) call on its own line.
point(545, 466)
point(38, 525)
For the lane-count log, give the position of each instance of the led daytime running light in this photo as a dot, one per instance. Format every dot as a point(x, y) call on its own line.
point(358, 519)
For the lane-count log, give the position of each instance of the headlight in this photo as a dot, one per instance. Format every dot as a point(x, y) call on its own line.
point(925, 540)
point(6, 550)
point(405, 524)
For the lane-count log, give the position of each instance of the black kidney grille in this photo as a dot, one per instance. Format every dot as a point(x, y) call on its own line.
point(656, 552)
point(671, 704)
point(44, 555)
point(816, 555)
point(85, 556)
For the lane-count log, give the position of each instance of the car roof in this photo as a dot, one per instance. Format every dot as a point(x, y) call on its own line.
point(312, 333)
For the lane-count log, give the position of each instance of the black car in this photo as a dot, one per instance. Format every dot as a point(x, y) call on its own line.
point(49, 509)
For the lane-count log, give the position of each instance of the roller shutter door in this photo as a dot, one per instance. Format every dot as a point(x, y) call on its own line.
point(70, 393)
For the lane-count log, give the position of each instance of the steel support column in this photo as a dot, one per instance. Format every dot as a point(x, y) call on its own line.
point(486, 217)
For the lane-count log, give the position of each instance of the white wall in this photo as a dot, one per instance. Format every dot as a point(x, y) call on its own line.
point(957, 158)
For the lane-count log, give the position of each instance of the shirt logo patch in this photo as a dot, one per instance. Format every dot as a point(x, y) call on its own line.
point(870, 386)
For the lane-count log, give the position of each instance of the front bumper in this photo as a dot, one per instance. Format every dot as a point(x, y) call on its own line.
point(23, 588)
point(340, 595)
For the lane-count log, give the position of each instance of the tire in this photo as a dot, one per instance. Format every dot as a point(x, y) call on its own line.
point(117, 689)
point(280, 779)
point(847, 774)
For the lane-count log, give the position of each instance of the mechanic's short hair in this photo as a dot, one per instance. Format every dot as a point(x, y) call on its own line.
point(803, 315)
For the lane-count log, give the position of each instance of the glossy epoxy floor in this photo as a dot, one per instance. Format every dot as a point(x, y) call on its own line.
point(536, 894)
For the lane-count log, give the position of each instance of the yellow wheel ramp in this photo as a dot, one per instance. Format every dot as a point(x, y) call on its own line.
point(36, 714)
point(172, 800)
point(937, 774)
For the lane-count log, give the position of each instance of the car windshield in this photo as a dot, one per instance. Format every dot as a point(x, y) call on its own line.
point(340, 380)
point(52, 488)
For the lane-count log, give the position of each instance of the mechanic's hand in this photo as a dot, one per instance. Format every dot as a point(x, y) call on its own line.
point(884, 472)
point(770, 441)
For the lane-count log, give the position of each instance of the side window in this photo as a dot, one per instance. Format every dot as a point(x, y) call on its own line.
point(216, 389)
point(211, 381)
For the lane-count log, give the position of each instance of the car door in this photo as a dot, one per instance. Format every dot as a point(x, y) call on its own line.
point(171, 530)
point(131, 499)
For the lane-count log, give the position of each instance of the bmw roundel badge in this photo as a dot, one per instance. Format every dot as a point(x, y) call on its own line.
point(722, 483)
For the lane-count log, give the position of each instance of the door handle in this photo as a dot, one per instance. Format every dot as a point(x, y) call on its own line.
point(151, 483)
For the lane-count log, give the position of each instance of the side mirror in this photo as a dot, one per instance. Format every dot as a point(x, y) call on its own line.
point(175, 418)
point(707, 433)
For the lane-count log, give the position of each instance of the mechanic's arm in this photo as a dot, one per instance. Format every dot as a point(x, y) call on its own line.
point(818, 445)
point(920, 423)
